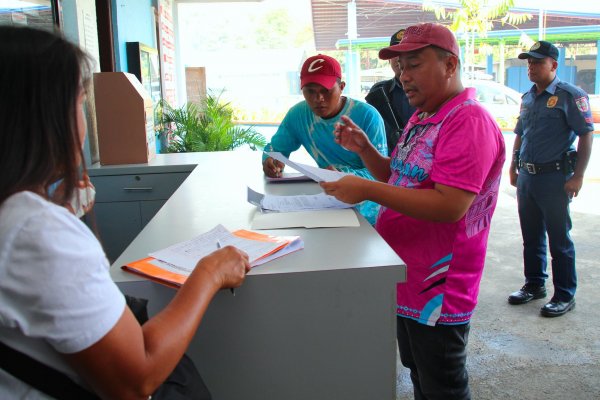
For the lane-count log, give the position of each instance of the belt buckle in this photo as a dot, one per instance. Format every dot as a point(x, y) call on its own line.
point(530, 168)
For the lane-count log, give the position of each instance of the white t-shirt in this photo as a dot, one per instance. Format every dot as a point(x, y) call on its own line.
point(56, 294)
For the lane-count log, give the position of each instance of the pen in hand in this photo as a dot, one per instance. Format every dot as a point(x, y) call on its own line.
point(231, 289)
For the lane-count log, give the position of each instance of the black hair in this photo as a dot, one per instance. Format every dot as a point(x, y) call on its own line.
point(41, 76)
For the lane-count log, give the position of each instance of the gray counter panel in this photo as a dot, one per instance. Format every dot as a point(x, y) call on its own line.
point(315, 324)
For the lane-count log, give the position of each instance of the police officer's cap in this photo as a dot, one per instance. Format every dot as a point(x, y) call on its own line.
point(397, 37)
point(541, 49)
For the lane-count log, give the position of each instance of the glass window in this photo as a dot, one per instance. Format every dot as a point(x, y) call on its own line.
point(35, 13)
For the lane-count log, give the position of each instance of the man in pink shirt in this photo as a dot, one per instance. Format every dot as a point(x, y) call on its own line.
point(438, 192)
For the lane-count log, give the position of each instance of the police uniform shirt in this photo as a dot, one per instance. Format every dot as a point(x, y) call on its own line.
point(549, 122)
point(398, 99)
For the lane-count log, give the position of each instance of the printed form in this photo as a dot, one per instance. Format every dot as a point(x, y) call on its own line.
point(171, 266)
point(185, 255)
point(320, 201)
point(315, 173)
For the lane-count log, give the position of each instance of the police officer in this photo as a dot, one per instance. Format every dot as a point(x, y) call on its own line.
point(389, 99)
point(547, 175)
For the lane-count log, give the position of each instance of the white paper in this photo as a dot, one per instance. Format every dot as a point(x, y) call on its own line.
point(254, 197)
point(302, 202)
point(315, 173)
point(185, 255)
point(171, 267)
point(254, 248)
point(295, 245)
point(306, 219)
point(320, 201)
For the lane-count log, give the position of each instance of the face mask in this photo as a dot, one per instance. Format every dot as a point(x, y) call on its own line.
point(81, 201)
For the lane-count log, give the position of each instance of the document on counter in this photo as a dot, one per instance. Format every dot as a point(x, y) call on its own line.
point(172, 265)
point(319, 201)
point(331, 218)
point(315, 173)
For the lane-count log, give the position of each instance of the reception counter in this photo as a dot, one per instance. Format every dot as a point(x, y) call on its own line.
point(315, 324)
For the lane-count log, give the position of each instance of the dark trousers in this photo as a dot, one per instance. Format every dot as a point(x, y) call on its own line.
point(544, 209)
point(436, 357)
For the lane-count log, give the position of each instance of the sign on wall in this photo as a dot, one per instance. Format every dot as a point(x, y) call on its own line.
point(166, 38)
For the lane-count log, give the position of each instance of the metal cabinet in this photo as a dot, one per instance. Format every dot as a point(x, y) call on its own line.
point(125, 203)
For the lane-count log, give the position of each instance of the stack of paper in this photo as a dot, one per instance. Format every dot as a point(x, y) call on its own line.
point(305, 202)
point(172, 265)
point(289, 177)
point(332, 218)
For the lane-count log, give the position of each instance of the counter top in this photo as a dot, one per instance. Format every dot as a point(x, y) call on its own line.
point(161, 163)
point(317, 324)
point(215, 193)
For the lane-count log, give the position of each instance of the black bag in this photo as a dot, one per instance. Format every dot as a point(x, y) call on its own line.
point(184, 383)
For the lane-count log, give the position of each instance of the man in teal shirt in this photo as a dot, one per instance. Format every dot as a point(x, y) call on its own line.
point(311, 124)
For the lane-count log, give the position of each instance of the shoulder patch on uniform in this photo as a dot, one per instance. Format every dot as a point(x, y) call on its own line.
point(582, 104)
point(552, 101)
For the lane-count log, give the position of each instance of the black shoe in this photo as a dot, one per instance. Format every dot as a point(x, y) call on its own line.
point(527, 293)
point(557, 308)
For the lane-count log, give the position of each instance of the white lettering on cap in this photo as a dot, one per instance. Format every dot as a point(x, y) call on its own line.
point(312, 68)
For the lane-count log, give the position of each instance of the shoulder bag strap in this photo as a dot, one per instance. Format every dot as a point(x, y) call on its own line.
point(400, 122)
point(40, 376)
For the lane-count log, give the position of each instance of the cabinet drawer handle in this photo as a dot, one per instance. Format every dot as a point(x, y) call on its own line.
point(137, 189)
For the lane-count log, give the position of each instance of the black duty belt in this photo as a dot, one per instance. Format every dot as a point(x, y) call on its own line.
point(533, 169)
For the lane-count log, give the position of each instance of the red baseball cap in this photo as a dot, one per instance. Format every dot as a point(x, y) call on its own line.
point(320, 69)
point(422, 35)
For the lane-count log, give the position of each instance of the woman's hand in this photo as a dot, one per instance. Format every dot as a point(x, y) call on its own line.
point(141, 357)
point(227, 266)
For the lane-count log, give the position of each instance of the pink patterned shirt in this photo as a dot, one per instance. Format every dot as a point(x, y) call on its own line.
point(460, 146)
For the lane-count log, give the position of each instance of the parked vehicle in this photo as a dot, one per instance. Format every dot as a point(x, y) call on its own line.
point(501, 101)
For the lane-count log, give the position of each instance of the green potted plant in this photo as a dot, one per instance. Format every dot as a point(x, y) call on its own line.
point(209, 127)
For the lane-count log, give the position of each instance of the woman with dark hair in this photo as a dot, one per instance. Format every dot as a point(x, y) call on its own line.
point(58, 304)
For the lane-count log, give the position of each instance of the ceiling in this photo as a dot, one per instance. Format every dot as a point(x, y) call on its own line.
point(381, 18)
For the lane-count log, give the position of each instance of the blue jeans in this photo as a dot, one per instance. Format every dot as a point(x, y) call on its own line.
point(436, 357)
point(544, 209)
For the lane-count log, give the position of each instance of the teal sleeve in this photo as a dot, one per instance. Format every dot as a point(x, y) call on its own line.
point(284, 141)
point(374, 127)
point(360, 172)
point(372, 124)
point(368, 209)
